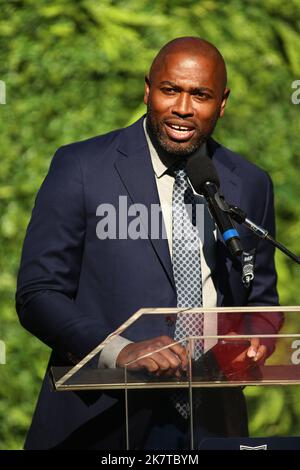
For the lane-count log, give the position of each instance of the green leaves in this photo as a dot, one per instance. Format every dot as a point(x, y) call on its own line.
point(271, 413)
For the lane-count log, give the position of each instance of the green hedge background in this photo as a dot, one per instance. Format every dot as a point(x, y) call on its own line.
point(74, 69)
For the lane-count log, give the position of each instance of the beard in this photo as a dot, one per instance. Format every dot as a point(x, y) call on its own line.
point(164, 145)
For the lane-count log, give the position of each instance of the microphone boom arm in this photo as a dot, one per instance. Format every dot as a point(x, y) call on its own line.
point(241, 218)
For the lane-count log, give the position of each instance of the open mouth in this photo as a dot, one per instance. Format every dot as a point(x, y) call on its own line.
point(179, 132)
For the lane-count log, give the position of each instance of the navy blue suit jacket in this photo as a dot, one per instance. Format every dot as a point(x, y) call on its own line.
point(74, 289)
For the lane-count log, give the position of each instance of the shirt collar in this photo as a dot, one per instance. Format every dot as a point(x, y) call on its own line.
point(158, 166)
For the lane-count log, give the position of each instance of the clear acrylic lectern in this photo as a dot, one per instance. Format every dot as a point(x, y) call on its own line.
point(224, 362)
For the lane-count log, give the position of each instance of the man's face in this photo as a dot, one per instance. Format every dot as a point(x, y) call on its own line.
point(184, 99)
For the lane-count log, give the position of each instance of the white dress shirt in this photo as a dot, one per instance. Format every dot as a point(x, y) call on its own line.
point(207, 231)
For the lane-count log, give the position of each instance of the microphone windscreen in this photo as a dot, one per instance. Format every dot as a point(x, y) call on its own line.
point(200, 170)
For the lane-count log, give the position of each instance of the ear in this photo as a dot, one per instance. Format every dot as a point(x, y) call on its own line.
point(147, 89)
point(224, 101)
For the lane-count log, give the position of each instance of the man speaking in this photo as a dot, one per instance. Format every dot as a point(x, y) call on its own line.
point(75, 288)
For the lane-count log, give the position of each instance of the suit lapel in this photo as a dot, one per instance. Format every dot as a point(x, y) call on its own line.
point(231, 188)
point(135, 170)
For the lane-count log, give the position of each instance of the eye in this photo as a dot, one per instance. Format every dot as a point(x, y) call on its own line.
point(168, 90)
point(202, 96)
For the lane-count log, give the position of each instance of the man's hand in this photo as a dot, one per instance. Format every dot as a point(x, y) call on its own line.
point(237, 357)
point(255, 353)
point(168, 362)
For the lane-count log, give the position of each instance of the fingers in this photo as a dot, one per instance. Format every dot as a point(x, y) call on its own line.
point(164, 361)
point(254, 353)
point(168, 359)
point(145, 363)
point(257, 351)
point(261, 353)
point(181, 354)
point(149, 355)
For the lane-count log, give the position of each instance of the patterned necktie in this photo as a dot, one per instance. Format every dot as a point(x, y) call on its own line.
point(186, 270)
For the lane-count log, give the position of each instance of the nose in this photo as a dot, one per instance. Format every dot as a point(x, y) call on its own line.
point(183, 105)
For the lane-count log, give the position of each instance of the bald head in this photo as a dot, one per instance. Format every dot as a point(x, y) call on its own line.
point(192, 47)
point(185, 94)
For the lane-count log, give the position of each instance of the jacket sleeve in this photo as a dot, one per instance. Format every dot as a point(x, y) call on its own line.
point(51, 262)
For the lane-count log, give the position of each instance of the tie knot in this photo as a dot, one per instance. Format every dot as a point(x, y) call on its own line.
point(179, 172)
point(180, 175)
point(182, 184)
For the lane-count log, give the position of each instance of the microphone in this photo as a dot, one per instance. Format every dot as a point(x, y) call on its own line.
point(204, 178)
